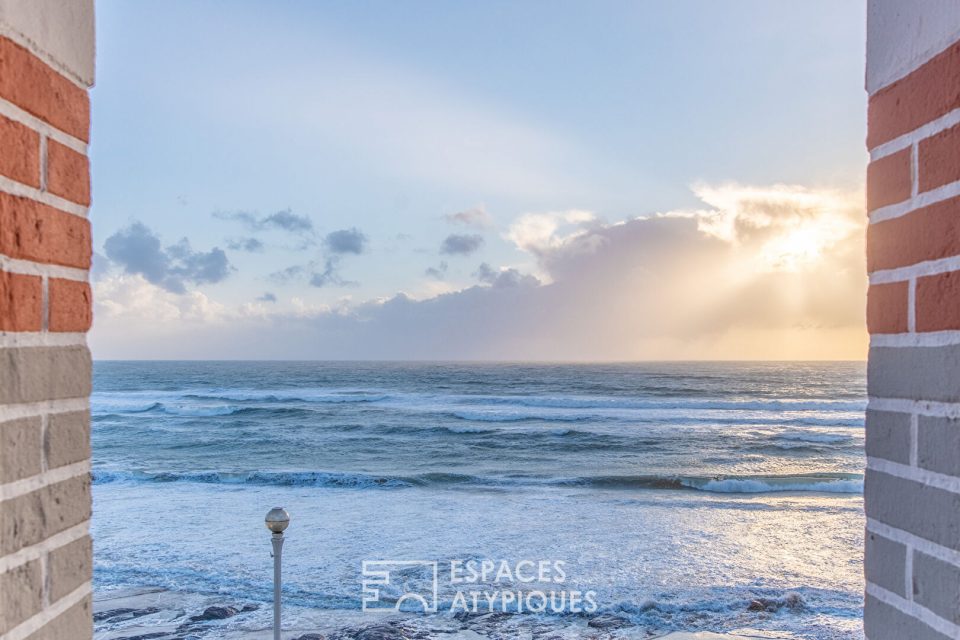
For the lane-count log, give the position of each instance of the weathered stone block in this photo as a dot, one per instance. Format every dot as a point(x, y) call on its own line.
point(68, 567)
point(22, 594)
point(936, 586)
point(925, 511)
point(34, 374)
point(67, 438)
point(888, 436)
point(938, 445)
point(28, 519)
point(76, 623)
point(915, 373)
point(887, 623)
point(21, 449)
point(885, 563)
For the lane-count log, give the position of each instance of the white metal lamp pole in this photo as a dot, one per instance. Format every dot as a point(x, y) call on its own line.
point(277, 520)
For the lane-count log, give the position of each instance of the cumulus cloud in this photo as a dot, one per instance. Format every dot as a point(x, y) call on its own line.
point(138, 250)
point(476, 217)
point(267, 297)
point(250, 245)
point(346, 241)
point(754, 273)
point(461, 244)
point(539, 233)
point(790, 226)
point(125, 295)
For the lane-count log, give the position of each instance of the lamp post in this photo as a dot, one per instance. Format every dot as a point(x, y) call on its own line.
point(277, 520)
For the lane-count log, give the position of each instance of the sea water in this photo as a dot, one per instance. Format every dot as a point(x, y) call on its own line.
point(683, 496)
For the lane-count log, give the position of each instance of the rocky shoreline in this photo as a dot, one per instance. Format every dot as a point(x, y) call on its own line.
point(157, 614)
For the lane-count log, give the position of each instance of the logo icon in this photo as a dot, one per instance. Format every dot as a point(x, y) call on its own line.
point(414, 580)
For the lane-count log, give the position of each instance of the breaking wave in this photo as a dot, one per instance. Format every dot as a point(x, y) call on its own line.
point(814, 482)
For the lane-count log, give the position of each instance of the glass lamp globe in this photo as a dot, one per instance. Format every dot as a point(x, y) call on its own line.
point(277, 519)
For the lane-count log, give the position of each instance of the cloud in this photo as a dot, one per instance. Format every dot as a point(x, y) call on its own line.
point(251, 245)
point(772, 272)
point(284, 221)
point(476, 217)
point(124, 296)
point(504, 277)
point(514, 278)
point(439, 272)
point(288, 221)
point(314, 273)
point(330, 275)
point(286, 275)
point(485, 273)
point(791, 225)
point(267, 297)
point(345, 241)
point(537, 233)
point(138, 250)
point(461, 244)
point(100, 266)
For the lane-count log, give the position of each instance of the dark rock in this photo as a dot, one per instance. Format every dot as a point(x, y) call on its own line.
point(249, 607)
point(215, 613)
point(390, 630)
point(112, 613)
point(150, 636)
point(380, 632)
point(792, 601)
point(608, 621)
point(310, 636)
point(124, 613)
point(763, 604)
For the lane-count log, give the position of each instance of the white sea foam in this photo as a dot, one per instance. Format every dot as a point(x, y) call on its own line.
point(814, 436)
point(199, 410)
point(738, 485)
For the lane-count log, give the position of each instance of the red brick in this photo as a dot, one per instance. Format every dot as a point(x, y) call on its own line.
point(20, 156)
point(30, 230)
point(927, 93)
point(887, 307)
point(929, 233)
point(939, 159)
point(888, 180)
point(938, 302)
point(21, 302)
point(37, 88)
point(68, 173)
point(70, 305)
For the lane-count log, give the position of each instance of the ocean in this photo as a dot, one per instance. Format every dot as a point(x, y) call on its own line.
point(720, 497)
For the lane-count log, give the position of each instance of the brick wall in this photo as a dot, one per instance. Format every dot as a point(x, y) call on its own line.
point(46, 67)
point(912, 492)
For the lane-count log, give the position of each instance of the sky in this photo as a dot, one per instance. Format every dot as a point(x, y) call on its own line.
point(537, 180)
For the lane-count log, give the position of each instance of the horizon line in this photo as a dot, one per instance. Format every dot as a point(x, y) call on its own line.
point(479, 361)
